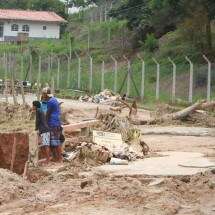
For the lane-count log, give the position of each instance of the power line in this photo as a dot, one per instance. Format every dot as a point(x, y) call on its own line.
point(118, 10)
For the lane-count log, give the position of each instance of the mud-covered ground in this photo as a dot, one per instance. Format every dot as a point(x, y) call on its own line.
point(79, 190)
point(62, 194)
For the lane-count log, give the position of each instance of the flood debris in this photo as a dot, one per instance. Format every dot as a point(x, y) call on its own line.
point(104, 97)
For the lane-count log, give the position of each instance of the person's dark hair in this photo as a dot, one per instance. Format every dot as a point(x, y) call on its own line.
point(36, 104)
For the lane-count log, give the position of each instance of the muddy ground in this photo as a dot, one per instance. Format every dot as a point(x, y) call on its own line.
point(79, 190)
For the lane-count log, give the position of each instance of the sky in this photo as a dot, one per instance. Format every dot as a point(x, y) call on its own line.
point(73, 9)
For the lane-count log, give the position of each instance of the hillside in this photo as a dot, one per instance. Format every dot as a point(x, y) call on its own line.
point(101, 38)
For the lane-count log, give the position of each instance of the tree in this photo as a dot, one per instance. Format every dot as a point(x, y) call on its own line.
point(86, 3)
point(162, 16)
point(48, 5)
point(149, 16)
point(205, 9)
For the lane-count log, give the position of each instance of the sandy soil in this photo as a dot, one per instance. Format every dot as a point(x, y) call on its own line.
point(61, 193)
point(77, 191)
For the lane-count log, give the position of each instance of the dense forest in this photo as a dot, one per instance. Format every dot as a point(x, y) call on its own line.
point(193, 18)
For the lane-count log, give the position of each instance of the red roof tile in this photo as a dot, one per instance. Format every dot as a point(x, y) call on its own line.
point(40, 16)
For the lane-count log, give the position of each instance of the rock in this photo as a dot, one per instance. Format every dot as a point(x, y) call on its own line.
point(85, 183)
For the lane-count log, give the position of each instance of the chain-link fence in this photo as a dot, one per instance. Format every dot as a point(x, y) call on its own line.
point(150, 80)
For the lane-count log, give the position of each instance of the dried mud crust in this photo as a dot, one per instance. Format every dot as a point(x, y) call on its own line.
point(15, 118)
point(12, 186)
point(68, 192)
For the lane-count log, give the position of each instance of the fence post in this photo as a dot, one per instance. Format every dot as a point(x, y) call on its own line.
point(115, 73)
point(88, 40)
point(102, 76)
point(12, 81)
point(39, 77)
point(5, 66)
point(191, 80)
point(5, 77)
point(79, 70)
point(30, 69)
point(142, 94)
point(22, 78)
point(101, 15)
point(128, 76)
point(49, 68)
point(111, 7)
point(22, 68)
point(91, 75)
point(79, 73)
point(52, 86)
point(68, 72)
point(58, 73)
point(105, 12)
point(157, 79)
point(209, 79)
point(173, 79)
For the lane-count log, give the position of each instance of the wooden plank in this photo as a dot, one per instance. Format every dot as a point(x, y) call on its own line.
point(72, 127)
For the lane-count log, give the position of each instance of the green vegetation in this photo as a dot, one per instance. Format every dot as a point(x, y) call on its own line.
point(152, 28)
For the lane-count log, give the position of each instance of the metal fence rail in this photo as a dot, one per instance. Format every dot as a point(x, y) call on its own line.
point(134, 79)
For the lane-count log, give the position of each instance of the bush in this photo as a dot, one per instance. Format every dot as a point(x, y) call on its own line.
point(151, 43)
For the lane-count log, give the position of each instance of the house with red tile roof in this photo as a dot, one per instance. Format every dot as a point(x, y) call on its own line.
point(16, 24)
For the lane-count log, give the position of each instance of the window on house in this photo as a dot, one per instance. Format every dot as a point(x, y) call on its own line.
point(25, 28)
point(1, 29)
point(14, 27)
point(44, 27)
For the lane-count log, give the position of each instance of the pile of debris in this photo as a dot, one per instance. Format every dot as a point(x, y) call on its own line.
point(106, 96)
point(198, 114)
point(113, 137)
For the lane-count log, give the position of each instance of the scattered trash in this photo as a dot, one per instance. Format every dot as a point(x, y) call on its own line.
point(102, 97)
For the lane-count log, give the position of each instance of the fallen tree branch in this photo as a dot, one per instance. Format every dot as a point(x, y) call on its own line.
point(185, 112)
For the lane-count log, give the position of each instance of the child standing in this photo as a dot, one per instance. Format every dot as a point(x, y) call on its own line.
point(43, 130)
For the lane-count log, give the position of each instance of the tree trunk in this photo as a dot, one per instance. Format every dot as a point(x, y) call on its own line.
point(209, 35)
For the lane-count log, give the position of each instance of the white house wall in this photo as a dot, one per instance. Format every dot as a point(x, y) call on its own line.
point(36, 29)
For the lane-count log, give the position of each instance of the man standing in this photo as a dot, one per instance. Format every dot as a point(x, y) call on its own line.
point(43, 130)
point(53, 116)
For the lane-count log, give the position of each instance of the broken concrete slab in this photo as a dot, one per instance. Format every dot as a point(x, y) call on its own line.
point(166, 165)
point(81, 125)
